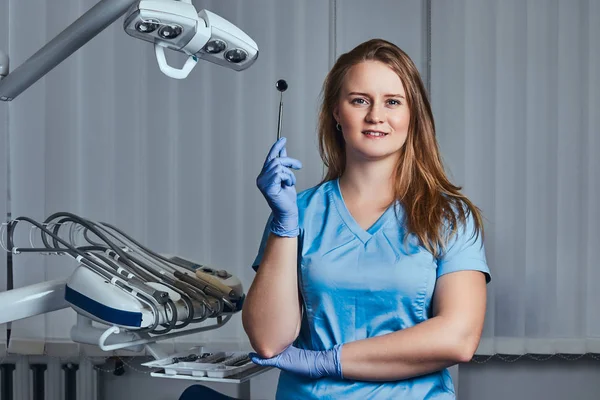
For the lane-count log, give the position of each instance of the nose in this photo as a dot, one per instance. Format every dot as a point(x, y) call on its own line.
point(376, 114)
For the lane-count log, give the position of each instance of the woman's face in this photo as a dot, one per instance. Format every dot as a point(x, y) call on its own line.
point(372, 112)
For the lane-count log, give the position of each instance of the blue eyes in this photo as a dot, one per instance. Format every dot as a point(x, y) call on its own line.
point(361, 101)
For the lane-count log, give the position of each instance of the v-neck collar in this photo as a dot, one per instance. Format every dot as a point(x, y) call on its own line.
point(351, 223)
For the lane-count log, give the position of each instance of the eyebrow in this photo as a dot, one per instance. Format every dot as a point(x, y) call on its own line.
point(366, 95)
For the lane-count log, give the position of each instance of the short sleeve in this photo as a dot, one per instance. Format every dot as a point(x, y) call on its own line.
point(263, 244)
point(465, 252)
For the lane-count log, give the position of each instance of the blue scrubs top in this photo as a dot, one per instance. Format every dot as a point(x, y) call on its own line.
point(359, 283)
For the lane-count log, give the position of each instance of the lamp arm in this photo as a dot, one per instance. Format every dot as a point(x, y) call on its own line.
point(90, 24)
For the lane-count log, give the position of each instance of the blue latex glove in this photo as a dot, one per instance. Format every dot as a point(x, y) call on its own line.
point(277, 183)
point(309, 363)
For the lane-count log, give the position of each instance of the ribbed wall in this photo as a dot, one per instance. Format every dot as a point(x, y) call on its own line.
point(515, 90)
point(3, 165)
point(515, 95)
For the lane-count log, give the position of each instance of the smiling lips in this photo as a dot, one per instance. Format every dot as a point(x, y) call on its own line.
point(375, 134)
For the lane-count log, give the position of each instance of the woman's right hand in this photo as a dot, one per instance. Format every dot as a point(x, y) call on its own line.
point(277, 183)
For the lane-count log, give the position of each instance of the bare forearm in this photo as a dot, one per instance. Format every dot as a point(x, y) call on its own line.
point(425, 348)
point(271, 312)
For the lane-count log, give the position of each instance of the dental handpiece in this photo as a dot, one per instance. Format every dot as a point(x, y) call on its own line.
point(282, 86)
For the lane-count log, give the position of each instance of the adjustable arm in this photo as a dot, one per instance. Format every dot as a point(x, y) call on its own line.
point(94, 21)
point(31, 300)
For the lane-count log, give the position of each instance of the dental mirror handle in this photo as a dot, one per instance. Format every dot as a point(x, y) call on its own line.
point(280, 113)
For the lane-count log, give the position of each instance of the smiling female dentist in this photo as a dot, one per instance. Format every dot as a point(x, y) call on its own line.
point(370, 284)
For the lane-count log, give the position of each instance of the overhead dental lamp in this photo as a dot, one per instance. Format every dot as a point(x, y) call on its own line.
point(176, 25)
point(171, 24)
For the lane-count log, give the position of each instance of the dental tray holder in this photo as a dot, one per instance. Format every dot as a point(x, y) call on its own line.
point(215, 371)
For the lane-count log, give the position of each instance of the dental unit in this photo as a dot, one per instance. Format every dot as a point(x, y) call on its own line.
point(140, 296)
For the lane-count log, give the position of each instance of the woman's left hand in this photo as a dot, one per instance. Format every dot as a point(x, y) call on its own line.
point(309, 363)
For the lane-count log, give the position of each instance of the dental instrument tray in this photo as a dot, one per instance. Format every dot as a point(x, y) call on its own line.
point(200, 364)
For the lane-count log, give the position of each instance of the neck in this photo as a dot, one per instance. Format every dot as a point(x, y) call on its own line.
point(369, 182)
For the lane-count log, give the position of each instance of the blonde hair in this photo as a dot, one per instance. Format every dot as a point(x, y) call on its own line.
point(434, 207)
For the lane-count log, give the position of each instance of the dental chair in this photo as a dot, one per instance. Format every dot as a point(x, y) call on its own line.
point(199, 392)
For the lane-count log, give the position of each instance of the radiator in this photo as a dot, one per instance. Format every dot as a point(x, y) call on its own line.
point(48, 378)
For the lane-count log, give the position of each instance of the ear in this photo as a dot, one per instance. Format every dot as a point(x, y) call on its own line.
point(336, 113)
